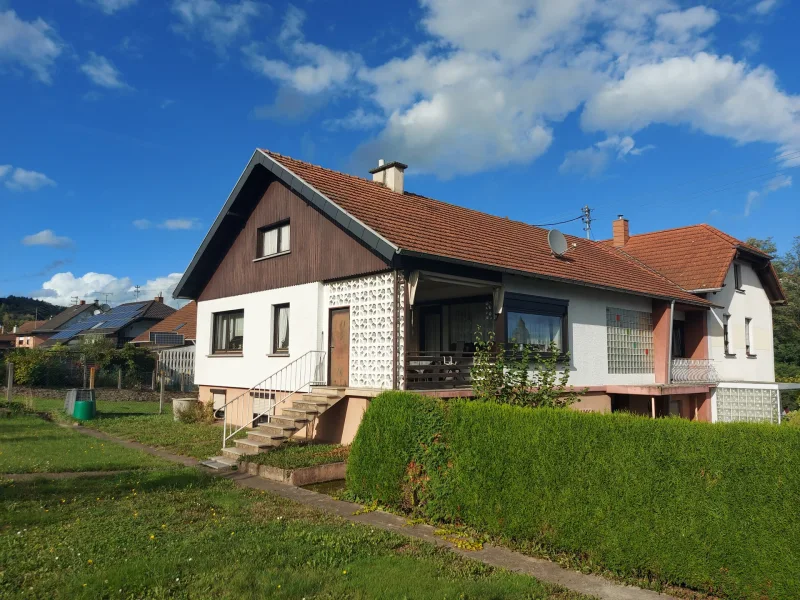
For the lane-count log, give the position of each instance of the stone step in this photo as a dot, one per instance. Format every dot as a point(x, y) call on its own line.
point(248, 446)
point(312, 406)
point(275, 429)
point(300, 414)
point(272, 439)
point(232, 453)
point(287, 422)
point(219, 463)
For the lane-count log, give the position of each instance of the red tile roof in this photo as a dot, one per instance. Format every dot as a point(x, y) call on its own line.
point(419, 224)
point(29, 326)
point(183, 321)
point(696, 257)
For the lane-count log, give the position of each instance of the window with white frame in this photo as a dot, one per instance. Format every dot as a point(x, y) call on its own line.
point(228, 334)
point(748, 336)
point(273, 240)
point(539, 323)
point(726, 337)
point(280, 329)
point(737, 277)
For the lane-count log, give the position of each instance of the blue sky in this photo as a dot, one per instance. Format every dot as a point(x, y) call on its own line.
point(127, 122)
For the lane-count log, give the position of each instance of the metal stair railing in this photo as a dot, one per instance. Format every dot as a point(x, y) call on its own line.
point(262, 399)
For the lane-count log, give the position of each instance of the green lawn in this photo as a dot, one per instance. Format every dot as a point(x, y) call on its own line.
point(183, 534)
point(29, 444)
point(296, 456)
point(140, 422)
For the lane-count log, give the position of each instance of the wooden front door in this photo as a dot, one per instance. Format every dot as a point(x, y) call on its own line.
point(339, 347)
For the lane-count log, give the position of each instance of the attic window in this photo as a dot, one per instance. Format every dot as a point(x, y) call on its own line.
point(273, 240)
point(737, 277)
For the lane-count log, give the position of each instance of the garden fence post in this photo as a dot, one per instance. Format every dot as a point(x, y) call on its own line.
point(182, 388)
point(153, 382)
point(161, 396)
point(119, 378)
point(84, 374)
point(10, 383)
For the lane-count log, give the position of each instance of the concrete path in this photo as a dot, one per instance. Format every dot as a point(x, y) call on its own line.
point(496, 556)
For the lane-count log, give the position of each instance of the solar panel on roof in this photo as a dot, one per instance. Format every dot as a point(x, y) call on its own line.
point(113, 319)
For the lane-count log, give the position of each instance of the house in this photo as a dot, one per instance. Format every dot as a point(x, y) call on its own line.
point(173, 339)
point(121, 324)
point(311, 280)
point(25, 335)
point(67, 318)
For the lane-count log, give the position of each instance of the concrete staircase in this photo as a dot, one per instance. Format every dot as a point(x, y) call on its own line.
point(277, 430)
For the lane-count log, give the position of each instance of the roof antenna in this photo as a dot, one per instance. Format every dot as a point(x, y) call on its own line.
point(587, 221)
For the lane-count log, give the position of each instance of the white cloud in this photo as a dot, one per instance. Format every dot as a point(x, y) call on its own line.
point(102, 72)
point(170, 224)
point(358, 119)
point(751, 44)
point(765, 7)
point(754, 197)
point(111, 6)
point(593, 160)
point(712, 94)
point(683, 24)
point(33, 45)
point(218, 23)
point(24, 180)
point(313, 68)
point(47, 237)
point(61, 287)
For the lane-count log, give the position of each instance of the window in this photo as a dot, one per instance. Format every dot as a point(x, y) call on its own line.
point(280, 329)
point(536, 322)
point(273, 240)
point(737, 277)
point(748, 323)
point(228, 332)
point(726, 335)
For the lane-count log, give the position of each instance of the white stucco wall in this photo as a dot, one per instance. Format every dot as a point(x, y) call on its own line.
point(588, 343)
point(307, 331)
point(751, 303)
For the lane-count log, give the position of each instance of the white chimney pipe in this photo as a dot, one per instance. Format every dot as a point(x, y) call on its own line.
point(391, 175)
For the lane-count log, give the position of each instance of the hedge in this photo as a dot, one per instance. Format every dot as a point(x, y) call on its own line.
point(712, 507)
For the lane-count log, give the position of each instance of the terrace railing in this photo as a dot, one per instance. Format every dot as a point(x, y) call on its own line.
point(438, 370)
point(689, 370)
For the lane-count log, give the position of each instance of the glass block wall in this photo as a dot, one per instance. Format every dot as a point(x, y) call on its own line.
point(630, 341)
point(747, 404)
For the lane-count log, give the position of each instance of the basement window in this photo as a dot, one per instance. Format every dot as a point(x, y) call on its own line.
point(273, 240)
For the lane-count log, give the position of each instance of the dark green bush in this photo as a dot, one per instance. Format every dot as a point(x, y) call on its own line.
point(709, 506)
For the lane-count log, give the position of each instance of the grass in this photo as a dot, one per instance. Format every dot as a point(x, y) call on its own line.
point(140, 422)
point(183, 534)
point(297, 456)
point(29, 444)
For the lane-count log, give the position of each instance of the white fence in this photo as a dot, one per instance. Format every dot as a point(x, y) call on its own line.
point(177, 365)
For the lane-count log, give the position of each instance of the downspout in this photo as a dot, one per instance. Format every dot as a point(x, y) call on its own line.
point(669, 353)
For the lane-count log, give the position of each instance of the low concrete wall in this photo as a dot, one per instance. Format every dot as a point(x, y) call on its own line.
point(593, 403)
point(297, 477)
point(104, 394)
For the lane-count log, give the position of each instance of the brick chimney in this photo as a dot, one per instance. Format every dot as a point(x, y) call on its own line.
point(83, 302)
point(159, 298)
point(621, 232)
point(390, 175)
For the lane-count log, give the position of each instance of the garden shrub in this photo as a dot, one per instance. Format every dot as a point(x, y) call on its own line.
point(197, 412)
point(709, 506)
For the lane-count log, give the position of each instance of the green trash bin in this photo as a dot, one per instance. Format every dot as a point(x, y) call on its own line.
point(84, 410)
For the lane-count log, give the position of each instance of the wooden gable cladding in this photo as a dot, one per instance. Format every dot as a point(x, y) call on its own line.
point(319, 250)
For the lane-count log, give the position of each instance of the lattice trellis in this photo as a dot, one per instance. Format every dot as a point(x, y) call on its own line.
point(371, 301)
point(630, 341)
point(749, 404)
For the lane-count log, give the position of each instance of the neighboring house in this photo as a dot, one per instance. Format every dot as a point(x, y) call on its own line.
point(7, 341)
point(743, 286)
point(26, 336)
point(310, 276)
point(173, 339)
point(67, 318)
point(122, 324)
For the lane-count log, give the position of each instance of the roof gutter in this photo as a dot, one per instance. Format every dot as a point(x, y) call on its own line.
point(487, 267)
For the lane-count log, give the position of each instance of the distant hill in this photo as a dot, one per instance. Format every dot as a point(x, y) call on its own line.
point(15, 310)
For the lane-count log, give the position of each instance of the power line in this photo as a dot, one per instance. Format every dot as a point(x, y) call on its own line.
point(559, 222)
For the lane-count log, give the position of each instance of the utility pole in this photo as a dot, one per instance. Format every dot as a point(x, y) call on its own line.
point(136, 291)
point(587, 221)
point(74, 299)
point(107, 294)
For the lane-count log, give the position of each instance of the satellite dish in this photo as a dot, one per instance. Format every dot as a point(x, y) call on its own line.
point(557, 242)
